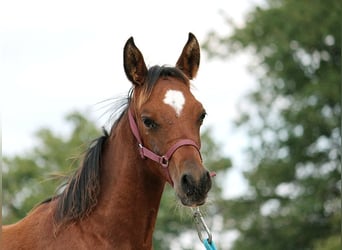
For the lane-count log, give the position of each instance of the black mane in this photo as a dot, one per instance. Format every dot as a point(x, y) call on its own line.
point(156, 72)
point(81, 193)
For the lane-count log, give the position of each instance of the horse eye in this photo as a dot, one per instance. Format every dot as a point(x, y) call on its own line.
point(201, 118)
point(149, 123)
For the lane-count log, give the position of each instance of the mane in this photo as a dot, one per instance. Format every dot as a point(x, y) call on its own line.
point(81, 192)
point(80, 195)
point(154, 74)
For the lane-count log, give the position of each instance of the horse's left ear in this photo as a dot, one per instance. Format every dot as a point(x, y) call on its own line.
point(134, 64)
point(189, 60)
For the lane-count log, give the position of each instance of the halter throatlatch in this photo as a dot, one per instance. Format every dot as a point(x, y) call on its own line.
point(164, 159)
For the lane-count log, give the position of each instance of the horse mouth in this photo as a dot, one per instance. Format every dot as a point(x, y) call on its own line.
point(192, 201)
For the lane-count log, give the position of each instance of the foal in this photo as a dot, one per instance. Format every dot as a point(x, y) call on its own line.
point(112, 200)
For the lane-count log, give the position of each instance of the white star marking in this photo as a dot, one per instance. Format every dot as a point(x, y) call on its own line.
point(176, 100)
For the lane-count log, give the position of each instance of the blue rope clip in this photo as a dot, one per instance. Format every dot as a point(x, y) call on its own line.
point(209, 246)
point(202, 226)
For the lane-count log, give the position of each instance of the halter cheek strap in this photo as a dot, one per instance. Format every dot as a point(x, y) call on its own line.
point(164, 159)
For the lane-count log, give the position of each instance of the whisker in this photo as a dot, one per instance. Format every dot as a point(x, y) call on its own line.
point(113, 108)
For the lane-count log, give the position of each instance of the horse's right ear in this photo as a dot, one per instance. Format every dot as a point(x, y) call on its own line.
point(134, 64)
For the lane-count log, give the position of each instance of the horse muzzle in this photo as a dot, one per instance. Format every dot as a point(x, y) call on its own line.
point(192, 190)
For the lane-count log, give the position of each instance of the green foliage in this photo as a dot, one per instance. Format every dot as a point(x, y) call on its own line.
point(28, 179)
point(32, 177)
point(293, 119)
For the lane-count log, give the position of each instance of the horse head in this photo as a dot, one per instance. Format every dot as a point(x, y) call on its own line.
point(166, 118)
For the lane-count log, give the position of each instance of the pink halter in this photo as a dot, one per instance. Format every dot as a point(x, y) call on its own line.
point(164, 159)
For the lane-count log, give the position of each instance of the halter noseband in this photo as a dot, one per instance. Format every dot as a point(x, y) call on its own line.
point(164, 159)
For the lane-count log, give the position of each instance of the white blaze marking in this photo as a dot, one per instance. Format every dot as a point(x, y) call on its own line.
point(175, 99)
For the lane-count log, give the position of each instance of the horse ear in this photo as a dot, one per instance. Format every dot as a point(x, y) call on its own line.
point(189, 60)
point(134, 63)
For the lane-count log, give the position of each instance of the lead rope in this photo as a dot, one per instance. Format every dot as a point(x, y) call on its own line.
point(201, 226)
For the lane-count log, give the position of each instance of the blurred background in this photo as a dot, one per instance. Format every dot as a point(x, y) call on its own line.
point(270, 79)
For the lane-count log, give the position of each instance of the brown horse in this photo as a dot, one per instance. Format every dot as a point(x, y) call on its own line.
point(112, 200)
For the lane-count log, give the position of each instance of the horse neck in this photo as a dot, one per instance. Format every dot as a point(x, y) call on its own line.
point(130, 193)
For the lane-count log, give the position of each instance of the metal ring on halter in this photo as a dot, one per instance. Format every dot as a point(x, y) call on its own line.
point(164, 162)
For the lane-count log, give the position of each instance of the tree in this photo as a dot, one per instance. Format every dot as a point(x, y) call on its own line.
point(27, 178)
point(293, 120)
point(30, 178)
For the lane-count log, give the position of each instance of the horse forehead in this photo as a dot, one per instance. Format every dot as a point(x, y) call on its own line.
point(175, 99)
point(174, 95)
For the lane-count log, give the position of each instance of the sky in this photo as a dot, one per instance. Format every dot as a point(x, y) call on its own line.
point(61, 56)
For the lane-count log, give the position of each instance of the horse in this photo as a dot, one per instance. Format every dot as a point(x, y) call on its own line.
point(112, 199)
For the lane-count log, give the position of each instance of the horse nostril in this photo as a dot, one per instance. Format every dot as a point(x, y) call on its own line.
point(207, 181)
point(187, 185)
point(208, 175)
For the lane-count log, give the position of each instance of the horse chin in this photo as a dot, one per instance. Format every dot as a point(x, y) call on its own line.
point(191, 201)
